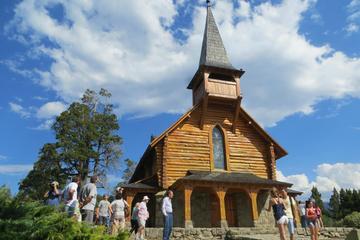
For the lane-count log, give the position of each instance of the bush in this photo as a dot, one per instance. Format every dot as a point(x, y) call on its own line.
point(352, 220)
point(33, 220)
point(331, 222)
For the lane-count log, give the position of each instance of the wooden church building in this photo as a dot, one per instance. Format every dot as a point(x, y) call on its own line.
point(218, 161)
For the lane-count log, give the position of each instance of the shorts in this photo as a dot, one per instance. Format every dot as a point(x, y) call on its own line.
point(283, 220)
point(291, 226)
point(141, 222)
point(312, 223)
point(304, 223)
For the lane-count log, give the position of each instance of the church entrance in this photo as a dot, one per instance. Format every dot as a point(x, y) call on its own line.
point(231, 209)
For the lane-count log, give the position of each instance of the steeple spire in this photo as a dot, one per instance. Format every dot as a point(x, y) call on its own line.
point(213, 52)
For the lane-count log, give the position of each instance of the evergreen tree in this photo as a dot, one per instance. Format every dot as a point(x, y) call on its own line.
point(45, 170)
point(86, 136)
point(86, 144)
point(335, 205)
point(315, 194)
point(129, 170)
point(346, 202)
point(356, 200)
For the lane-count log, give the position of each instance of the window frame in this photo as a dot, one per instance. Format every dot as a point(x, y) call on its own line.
point(226, 149)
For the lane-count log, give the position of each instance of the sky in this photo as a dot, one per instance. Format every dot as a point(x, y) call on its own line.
point(302, 79)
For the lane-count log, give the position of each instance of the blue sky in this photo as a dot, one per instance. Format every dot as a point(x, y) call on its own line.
point(301, 83)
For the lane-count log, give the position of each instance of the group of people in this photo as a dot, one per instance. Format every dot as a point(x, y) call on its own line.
point(82, 207)
point(282, 205)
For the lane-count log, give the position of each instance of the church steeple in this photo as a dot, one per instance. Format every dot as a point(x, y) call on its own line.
point(213, 52)
point(216, 80)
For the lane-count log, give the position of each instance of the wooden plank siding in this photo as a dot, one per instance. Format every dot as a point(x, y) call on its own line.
point(188, 147)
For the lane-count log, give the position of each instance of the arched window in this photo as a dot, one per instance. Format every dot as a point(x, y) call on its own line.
point(218, 148)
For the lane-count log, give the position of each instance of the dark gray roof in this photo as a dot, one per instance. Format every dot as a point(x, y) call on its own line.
point(137, 186)
point(294, 192)
point(213, 52)
point(231, 177)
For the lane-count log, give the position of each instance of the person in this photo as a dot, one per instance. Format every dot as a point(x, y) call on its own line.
point(319, 220)
point(311, 218)
point(70, 199)
point(88, 200)
point(301, 210)
point(167, 212)
point(117, 213)
point(143, 215)
point(134, 220)
point(277, 204)
point(288, 204)
point(103, 212)
point(52, 197)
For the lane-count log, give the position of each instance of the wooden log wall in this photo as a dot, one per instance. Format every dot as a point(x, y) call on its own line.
point(188, 146)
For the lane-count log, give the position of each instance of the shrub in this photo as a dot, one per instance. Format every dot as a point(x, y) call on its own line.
point(352, 220)
point(33, 220)
point(331, 222)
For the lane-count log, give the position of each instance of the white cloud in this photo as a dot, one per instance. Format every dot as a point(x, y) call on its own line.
point(353, 18)
point(352, 28)
point(328, 176)
point(45, 125)
point(15, 168)
point(50, 109)
point(3, 157)
point(128, 48)
point(17, 108)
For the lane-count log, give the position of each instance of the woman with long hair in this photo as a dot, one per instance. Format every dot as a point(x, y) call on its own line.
point(312, 220)
point(277, 205)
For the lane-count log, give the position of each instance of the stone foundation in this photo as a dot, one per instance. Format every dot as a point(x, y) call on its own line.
point(256, 233)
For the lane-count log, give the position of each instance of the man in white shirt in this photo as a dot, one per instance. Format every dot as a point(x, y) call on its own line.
point(167, 211)
point(70, 198)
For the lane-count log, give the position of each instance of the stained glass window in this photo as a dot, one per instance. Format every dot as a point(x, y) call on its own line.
point(218, 148)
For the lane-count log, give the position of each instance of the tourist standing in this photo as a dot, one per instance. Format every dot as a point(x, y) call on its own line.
point(143, 215)
point(319, 217)
point(104, 211)
point(117, 213)
point(302, 213)
point(70, 199)
point(277, 204)
point(52, 197)
point(88, 200)
point(288, 204)
point(167, 212)
point(134, 219)
point(312, 218)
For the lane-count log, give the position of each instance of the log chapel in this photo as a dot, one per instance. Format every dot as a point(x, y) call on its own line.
point(218, 161)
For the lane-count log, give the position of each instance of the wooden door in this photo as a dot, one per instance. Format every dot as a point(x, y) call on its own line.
point(215, 210)
point(230, 207)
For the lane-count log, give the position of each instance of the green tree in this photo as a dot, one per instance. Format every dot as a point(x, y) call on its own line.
point(46, 169)
point(86, 144)
point(335, 205)
point(346, 202)
point(315, 194)
point(129, 170)
point(86, 135)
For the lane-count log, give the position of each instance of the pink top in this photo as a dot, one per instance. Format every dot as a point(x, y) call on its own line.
point(143, 213)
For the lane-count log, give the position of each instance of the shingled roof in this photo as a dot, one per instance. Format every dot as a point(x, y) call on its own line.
point(213, 52)
point(230, 177)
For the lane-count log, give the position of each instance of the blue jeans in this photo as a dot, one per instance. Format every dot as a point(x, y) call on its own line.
point(168, 224)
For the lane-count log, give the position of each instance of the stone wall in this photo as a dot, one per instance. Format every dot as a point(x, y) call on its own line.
point(241, 233)
point(266, 219)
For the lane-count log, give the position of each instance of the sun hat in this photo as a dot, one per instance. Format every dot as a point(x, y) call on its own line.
point(146, 198)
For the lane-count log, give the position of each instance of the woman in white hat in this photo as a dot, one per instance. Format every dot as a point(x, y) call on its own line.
point(143, 215)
